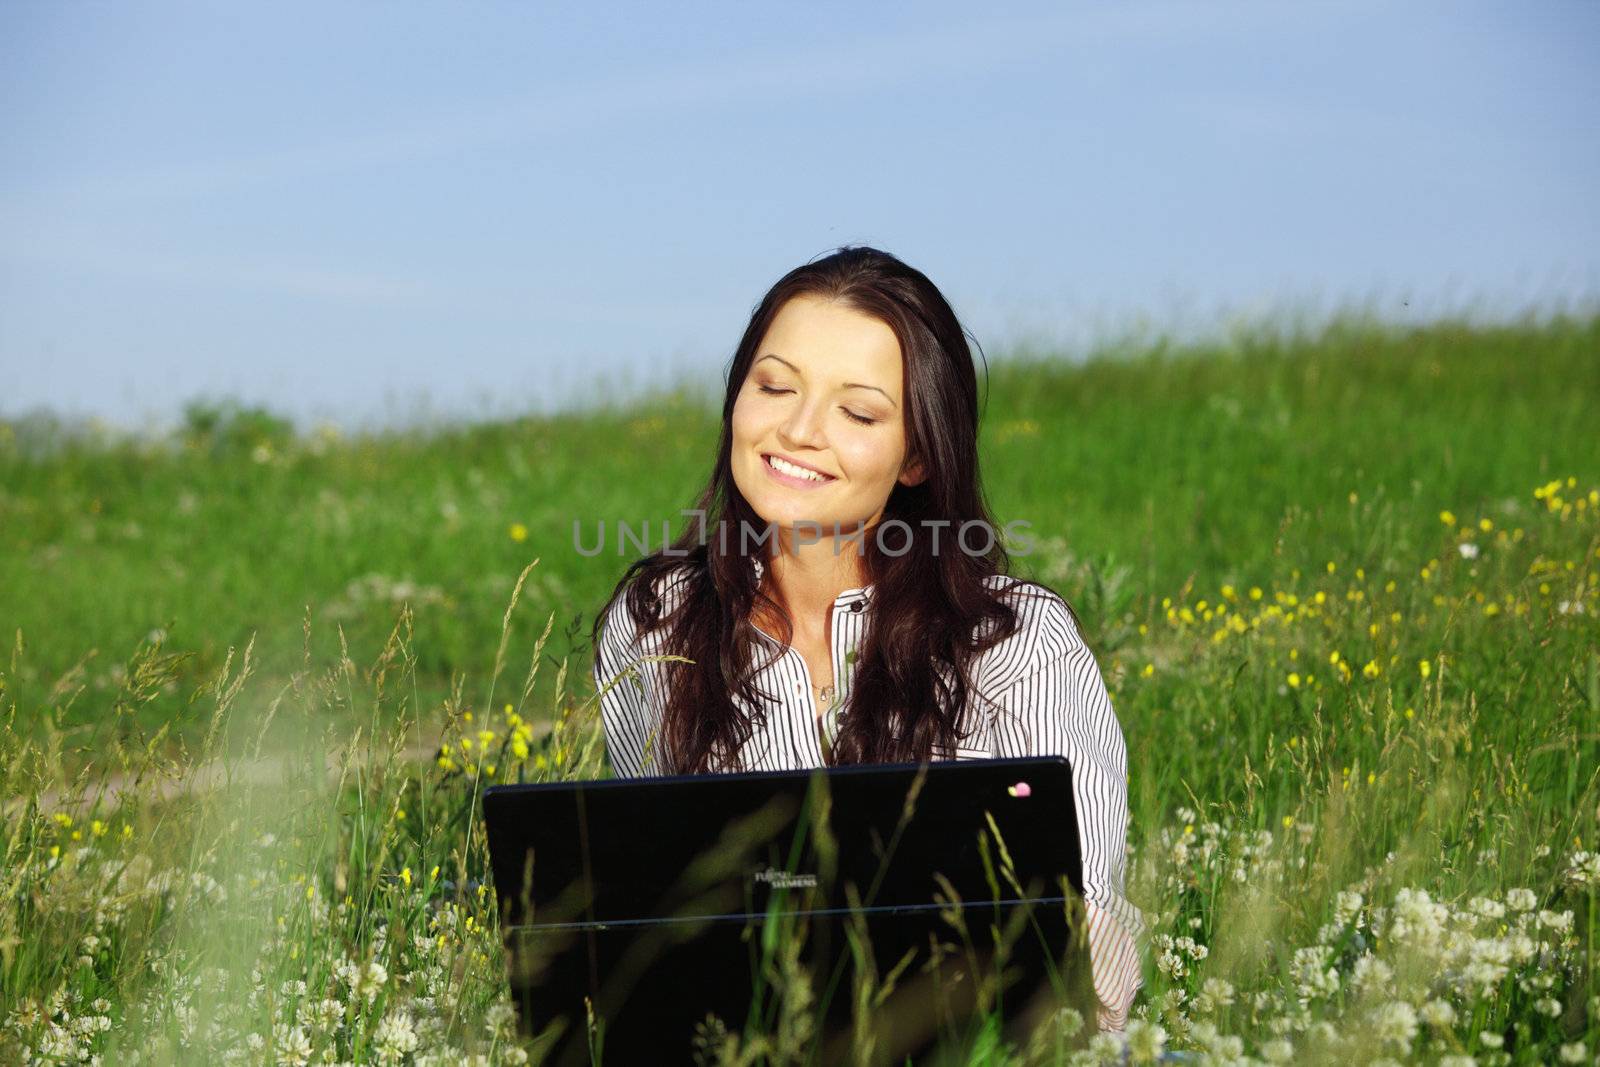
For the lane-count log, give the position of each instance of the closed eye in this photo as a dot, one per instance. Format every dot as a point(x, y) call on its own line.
point(862, 419)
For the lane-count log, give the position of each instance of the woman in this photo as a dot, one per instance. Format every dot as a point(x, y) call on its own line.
point(851, 411)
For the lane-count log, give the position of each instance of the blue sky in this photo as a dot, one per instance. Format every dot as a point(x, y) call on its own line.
point(364, 212)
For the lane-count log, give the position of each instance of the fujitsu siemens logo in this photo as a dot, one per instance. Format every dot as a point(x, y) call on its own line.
point(785, 879)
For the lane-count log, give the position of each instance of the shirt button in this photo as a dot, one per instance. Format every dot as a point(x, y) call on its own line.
point(856, 607)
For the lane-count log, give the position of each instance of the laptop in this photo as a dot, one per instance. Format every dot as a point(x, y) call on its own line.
point(638, 912)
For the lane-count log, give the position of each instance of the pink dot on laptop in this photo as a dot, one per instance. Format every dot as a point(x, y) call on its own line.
point(1019, 790)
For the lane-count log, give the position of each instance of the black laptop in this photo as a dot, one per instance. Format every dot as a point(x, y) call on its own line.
point(633, 909)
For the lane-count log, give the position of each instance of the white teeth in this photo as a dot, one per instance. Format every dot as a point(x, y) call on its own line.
point(798, 472)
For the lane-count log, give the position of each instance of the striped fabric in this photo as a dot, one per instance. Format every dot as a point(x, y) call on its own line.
point(1045, 696)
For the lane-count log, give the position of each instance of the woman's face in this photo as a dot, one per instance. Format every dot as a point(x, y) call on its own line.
point(823, 392)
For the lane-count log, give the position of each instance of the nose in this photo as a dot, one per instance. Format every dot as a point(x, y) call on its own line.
point(803, 427)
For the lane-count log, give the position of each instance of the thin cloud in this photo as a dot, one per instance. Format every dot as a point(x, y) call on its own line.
point(702, 83)
point(351, 287)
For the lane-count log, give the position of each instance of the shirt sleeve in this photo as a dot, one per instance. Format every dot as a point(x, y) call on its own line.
point(1059, 706)
point(624, 711)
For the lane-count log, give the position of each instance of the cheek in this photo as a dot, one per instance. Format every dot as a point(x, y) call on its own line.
point(871, 459)
point(741, 421)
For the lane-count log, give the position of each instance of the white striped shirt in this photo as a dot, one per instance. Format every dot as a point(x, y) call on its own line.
point(1045, 697)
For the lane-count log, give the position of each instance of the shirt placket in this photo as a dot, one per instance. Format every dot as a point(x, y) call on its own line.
point(843, 655)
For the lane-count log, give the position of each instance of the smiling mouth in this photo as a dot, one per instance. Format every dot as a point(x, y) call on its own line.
point(794, 470)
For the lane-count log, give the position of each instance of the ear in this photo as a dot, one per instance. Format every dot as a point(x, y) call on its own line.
point(912, 473)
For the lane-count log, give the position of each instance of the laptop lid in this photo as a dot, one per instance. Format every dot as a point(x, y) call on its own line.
point(587, 872)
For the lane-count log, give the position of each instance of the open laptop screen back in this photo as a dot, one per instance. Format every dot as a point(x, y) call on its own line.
point(610, 889)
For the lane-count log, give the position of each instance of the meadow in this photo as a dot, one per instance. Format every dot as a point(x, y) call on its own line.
point(1344, 589)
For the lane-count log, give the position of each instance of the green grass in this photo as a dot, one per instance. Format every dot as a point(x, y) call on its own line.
point(1160, 485)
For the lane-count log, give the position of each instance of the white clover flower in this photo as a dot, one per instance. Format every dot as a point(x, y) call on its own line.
point(294, 1048)
point(500, 1017)
point(1313, 973)
point(1417, 918)
point(1225, 1048)
point(1547, 1006)
point(1395, 1023)
point(1487, 908)
point(1583, 870)
point(1170, 952)
point(1439, 1014)
point(1216, 993)
point(1457, 1061)
point(320, 1015)
point(1468, 550)
point(1278, 1050)
point(1325, 1032)
point(1347, 906)
point(1577, 1052)
point(1066, 1021)
point(1370, 975)
point(395, 1036)
point(1522, 947)
point(1104, 1048)
point(1521, 899)
point(370, 981)
point(57, 1044)
point(1490, 1039)
point(1560, 922)
point(1146, 1041)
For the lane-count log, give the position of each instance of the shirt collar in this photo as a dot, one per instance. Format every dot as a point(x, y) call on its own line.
point(848, 599)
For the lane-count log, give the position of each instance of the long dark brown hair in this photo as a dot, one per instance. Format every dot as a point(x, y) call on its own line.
point(932, 613)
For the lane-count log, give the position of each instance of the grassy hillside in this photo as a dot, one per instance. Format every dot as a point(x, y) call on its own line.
point(1193, 466)
point(1345, 591)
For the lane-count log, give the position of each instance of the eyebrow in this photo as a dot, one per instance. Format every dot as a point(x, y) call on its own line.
point(847, 385)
